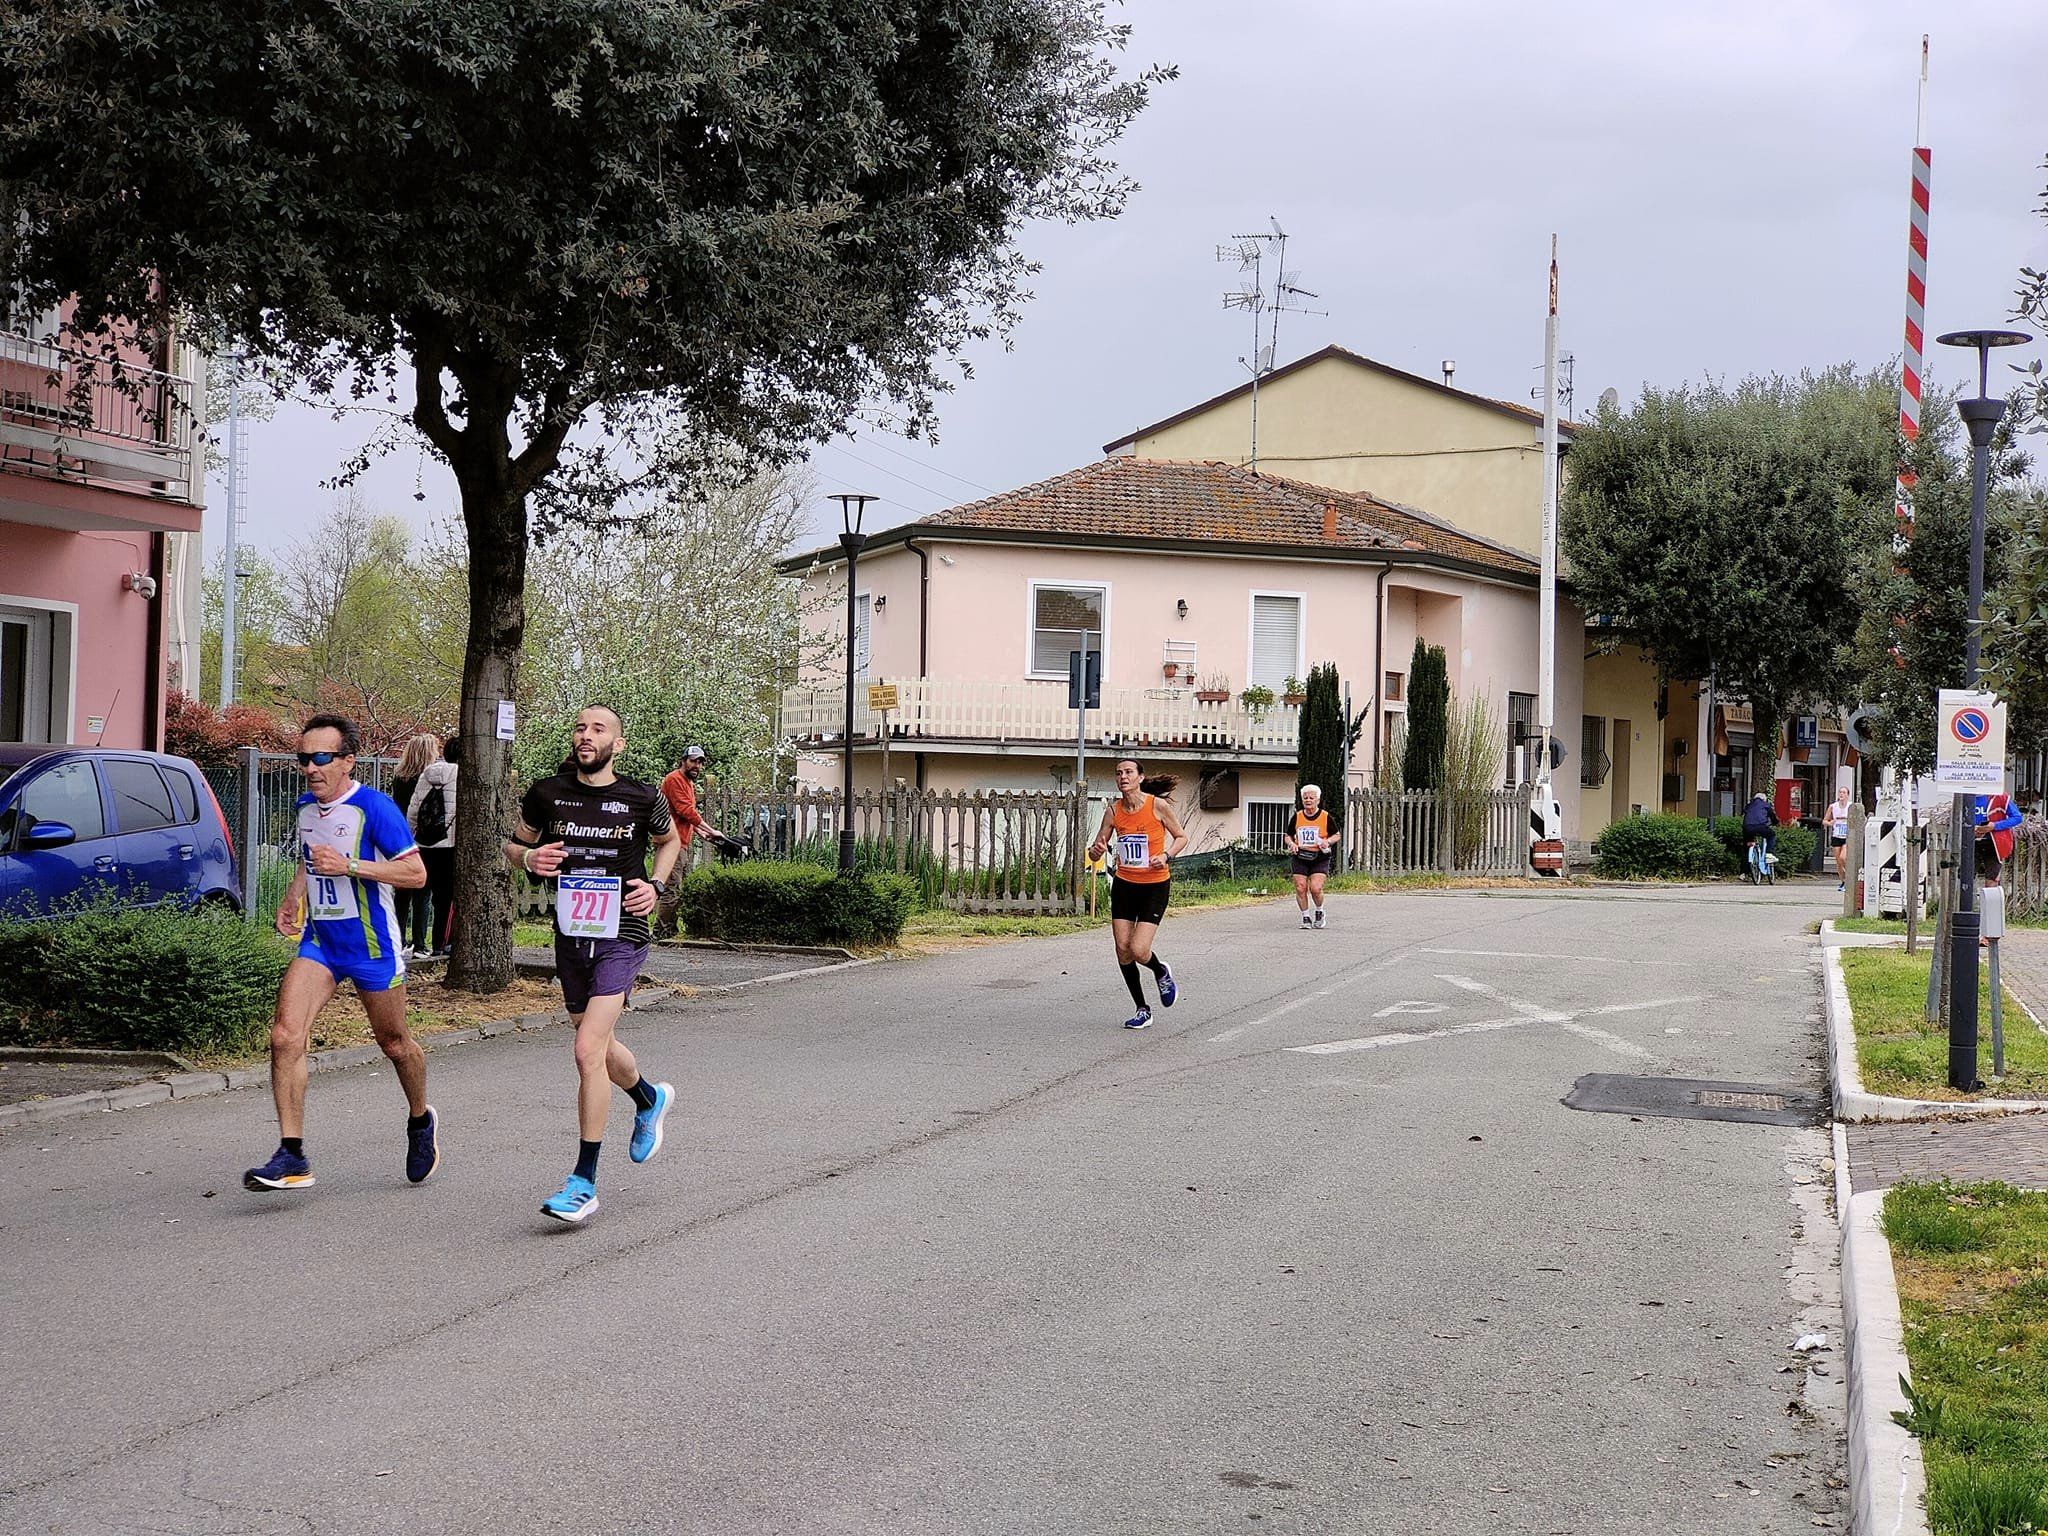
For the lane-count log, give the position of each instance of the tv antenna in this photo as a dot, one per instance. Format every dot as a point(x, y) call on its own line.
point(1564, 387)
point(1256, 298)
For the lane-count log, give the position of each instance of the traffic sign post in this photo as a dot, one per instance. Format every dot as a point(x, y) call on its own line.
point(1969, 760)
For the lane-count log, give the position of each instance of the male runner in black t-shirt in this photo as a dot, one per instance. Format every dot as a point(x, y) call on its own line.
point(587, 831)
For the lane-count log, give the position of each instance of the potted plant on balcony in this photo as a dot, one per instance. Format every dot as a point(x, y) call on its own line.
point(1291, 692)
point(1170, 670)
point(1214, 689)
point(1256, 700)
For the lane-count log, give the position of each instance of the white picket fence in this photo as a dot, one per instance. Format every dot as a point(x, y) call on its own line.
point(1416, 831)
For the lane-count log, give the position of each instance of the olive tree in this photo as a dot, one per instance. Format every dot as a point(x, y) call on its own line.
point(584, 246)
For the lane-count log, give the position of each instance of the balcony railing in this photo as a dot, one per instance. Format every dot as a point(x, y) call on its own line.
point(1019, 713)
point(58, 420)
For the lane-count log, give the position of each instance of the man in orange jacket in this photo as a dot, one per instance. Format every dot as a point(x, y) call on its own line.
point(679, 789)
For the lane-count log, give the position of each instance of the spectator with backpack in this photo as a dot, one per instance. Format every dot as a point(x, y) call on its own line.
point(432, 814)
point(413, 905)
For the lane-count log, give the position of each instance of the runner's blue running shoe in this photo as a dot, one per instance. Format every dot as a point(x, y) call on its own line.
point(647, 1123)
point(1167, 990)
point(577, 1201)
point(423, 1148)
point(1142, 1019)
point(285, 1170)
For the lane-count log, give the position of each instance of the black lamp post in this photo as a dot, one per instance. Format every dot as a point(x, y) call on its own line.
point(853, 505)
point(1982, 416)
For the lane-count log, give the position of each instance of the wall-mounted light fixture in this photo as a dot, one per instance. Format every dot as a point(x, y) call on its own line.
point(1180, 607)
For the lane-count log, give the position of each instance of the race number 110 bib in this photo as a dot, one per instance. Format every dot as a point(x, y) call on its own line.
point(587, 906)
point(1134, 850)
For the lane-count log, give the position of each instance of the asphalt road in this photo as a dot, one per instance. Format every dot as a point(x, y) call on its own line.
point(936, 1247)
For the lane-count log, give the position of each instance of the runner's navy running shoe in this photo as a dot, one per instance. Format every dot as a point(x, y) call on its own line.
point(576, 1200)
point(1167, 990)
point(1142, 1019)
point(423, 1148)
point(647, 1124)
point(285, 1170)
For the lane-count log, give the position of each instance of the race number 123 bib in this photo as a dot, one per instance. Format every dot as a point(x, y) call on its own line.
point(1309, 837)
point(588, 906)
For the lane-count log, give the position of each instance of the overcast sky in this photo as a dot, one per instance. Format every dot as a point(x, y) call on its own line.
point(1728, 183)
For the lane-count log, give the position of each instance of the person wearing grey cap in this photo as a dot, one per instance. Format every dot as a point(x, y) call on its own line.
point(679, 789)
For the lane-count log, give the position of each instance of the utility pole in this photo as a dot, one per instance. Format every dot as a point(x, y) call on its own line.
point(1546, 640)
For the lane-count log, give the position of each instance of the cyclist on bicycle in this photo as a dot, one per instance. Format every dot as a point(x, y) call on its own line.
point(1760, 820)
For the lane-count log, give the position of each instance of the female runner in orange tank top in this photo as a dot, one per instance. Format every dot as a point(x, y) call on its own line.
point(1146, 835)
point(1312, 842)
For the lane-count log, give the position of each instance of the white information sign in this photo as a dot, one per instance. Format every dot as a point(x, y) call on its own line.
point(507, 720)
point(1969, 743)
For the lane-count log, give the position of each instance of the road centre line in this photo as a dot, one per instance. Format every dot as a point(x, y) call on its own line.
point(1532, 954)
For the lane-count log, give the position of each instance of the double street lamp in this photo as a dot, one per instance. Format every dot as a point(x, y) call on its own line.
point(1982, 416)
point(853, 505)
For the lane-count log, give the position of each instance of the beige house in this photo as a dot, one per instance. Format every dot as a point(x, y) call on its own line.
point(1195, 581)
point(1337, 419)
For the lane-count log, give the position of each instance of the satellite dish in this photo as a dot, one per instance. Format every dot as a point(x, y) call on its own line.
point(1610, 399)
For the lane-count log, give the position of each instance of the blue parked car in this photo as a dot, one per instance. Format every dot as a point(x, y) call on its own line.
point(78, 822)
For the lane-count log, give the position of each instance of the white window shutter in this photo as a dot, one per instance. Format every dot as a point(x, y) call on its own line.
point(1276, 639)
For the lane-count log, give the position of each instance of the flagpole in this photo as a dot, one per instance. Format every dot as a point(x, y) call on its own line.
point(1910, 366)
point(1546, 643)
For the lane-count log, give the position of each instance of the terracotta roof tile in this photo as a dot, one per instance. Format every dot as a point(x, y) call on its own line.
point(1192, 502)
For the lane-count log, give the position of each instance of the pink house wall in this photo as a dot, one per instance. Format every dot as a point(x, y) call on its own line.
point(113, 625)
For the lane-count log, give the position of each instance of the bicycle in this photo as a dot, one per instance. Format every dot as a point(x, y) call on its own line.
point(1760, 864)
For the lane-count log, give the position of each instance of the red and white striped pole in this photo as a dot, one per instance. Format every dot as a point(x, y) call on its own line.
point(1910, 375)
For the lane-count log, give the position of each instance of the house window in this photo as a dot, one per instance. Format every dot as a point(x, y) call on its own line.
point(863, 625)
point(1593, 763)
point(1265, 823)
point(1276, 638)
point(29, 687)
point(1396, 682)
point(1061, 616)
point(1521, 728)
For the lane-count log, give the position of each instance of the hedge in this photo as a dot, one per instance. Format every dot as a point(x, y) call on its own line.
point(1666, 846)
point(160, 979)
point(778, 903)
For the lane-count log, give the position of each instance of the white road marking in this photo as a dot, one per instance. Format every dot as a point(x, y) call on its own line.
point(1374, 1042)
point(1526, 1010)
point(1410, 1005)
point(1537, 954)
point(1525, 1013)
point(1613, 1043)
point(1302, 1002)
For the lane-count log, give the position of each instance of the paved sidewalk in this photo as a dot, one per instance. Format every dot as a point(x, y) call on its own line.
point(2023, 967)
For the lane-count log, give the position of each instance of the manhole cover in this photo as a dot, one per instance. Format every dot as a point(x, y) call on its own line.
point(1687, 1098)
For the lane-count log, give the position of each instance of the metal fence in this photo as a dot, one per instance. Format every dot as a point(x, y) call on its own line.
point(259, 796)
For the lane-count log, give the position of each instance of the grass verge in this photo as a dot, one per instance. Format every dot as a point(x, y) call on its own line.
point(1972, 1267)
point(1900, 1053)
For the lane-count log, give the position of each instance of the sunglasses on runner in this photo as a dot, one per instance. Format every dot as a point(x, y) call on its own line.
point(318, 759)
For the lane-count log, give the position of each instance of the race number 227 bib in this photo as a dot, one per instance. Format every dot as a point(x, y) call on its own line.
point(587, 906)
point(1134, 850)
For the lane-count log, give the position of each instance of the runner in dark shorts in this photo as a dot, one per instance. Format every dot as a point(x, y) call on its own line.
point(1312, 842)
point(588, 831)
point(1145, 834)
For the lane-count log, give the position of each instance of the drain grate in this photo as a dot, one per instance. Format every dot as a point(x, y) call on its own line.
point(1687, 1098)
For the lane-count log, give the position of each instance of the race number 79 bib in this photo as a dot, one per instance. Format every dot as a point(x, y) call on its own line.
point(330, 898)
point(1134, 850)
point(588, 906)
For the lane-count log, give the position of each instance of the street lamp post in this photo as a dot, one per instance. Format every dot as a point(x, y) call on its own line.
point(1982, 416)
point(853, 506)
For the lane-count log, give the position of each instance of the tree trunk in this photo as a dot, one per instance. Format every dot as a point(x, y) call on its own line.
point(486, 804)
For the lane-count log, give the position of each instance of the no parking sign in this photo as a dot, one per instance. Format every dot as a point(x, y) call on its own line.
point(1969, 742)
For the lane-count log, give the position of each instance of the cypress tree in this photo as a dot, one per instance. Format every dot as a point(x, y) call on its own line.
point(1319, 751)
point(1429, 708)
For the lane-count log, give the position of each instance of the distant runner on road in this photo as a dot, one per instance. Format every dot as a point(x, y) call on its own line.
point(588, 831)
point(1312, 843)
point(354, 850)
point(1139, 827)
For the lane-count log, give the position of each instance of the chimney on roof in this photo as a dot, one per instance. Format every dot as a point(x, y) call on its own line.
point(1329, 522)
point(1450, 367)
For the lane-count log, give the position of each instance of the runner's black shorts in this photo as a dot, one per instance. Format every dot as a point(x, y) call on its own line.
point(1319, 865)
point(1138, 901)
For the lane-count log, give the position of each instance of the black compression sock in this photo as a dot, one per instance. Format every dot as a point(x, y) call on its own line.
point(416, 1122)
point(1130, 970)
point(586, 1159)
point(1156, 966)
point(642, 1094)
point(296, 1145)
